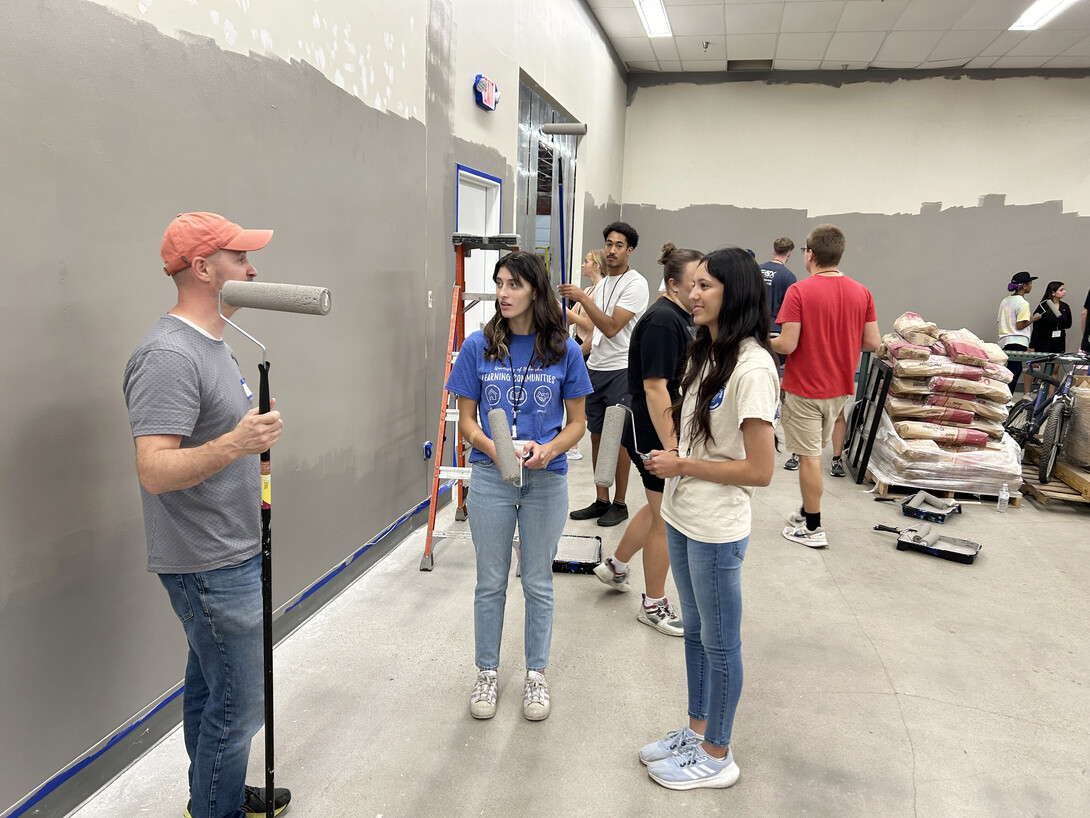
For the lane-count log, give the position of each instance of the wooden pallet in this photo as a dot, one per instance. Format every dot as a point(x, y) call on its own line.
point(1068, 482)
point(890, 489)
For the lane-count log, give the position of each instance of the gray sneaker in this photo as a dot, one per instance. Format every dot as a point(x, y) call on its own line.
point(535, 697)
point(610, 576)
point(675, 742)
point(662, 617)
point(837, 468)
point(792, 463)
point(796, 519)
point(482, 701)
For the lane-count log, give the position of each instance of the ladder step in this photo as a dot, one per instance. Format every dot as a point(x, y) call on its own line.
point(479, 296)
point(455, 473)
point(452, 414)
point(453, 535)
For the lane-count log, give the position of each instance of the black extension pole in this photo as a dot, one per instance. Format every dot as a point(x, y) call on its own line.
point(266, 593)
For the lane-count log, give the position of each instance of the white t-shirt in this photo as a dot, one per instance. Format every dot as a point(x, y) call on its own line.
point(629, 292)
point(715, 512)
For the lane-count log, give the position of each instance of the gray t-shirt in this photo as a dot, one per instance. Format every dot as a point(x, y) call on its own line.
point(181, 382)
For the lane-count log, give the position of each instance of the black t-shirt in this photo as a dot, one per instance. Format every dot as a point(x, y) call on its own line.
point(657, 350)
point(1049, 332)
point(1085, 344)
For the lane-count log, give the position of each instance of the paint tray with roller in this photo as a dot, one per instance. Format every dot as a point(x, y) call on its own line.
point(577, 554)
point(926, 506)
point(927, 540)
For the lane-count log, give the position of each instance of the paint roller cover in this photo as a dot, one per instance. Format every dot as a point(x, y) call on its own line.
point(565, 128)
point(510, 468)
point(610, 446)
point(282, 297)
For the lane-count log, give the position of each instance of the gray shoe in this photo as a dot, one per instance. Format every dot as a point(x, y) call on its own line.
point(837, 468)
point(610, 576)
point(675, 741)
point(482, 701)
point(616, 514)
point(792, 463)
point(796, 519)
point(663, 618)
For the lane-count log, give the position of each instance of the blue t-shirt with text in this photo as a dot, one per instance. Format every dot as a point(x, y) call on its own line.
point(538, 392)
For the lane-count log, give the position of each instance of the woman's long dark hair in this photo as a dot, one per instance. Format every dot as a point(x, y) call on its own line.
point(548, 322)
point(742, 314)
point(1050, 290)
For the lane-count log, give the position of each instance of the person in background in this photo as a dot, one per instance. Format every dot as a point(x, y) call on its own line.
point(777, 277)
point(1049, 332)
point(1084, 344)
point(524, 363)
point(655, 358)
point(1015, 320)
point(724, 415)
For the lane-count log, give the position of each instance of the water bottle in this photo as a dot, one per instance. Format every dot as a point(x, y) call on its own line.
point(1004, 499)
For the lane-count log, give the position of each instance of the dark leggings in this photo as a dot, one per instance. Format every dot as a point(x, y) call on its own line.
point(1014, 366)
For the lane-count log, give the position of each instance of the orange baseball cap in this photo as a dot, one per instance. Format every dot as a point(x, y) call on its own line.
point(201, 234)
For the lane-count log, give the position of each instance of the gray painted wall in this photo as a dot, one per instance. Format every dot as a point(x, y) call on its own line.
point(97, 158)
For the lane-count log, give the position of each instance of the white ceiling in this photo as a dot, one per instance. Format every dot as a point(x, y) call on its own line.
point(809, 35)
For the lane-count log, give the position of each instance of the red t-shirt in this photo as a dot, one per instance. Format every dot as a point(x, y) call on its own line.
point(832, 311)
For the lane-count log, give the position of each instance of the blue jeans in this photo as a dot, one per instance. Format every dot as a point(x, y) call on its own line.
point(223, 703)
point(540, 507)
point(708, 577)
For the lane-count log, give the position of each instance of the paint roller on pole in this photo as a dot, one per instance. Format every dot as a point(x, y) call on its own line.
point(610, 446)
point(282, 298)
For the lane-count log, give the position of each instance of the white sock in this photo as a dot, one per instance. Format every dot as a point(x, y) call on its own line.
point(618, 566)
point(651, 603)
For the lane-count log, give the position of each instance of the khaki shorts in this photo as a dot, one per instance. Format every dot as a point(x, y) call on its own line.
point(808, 422)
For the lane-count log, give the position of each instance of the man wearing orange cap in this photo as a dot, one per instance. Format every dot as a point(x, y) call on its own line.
point(197, 444)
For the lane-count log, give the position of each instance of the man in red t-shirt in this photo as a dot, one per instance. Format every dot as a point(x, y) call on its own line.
point(826, 321)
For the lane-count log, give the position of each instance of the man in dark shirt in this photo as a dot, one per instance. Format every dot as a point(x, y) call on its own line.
point(777, 277)
point(655, 357)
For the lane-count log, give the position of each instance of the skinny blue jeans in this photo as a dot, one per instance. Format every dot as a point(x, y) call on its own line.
point(223, 703)
point(540, 508)
point(708, 577)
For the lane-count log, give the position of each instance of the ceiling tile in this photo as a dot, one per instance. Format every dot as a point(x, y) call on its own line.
point(802, 46)
point(981, 62)
point(643, 65)
point(1046, 43)
point(991, 14)
point(606, 4)
point(845, 65)
point(1079, 49)
point(817, 16)
point(665, 48)
point(966, 44)
point(669, 65)
point(753, 18)
point(706, 65)
point(634, 48)
point(958, 63)
point(910, 46)
point(796, 65)
point(692, 48)
point(621, 22)
point(751, 46)
point(1020, 62)
point(932, 15)
point(1004, 43)
point(1078, 16)
point(866, 15)
point(892, 65)
point(696, 20)
point(1068, 61)
point(671, 3)
point(854, 46)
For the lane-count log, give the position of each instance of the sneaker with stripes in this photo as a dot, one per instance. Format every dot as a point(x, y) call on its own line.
point(691, 768)
point(675, 741)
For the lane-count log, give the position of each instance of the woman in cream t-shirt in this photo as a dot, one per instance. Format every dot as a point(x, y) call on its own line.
point(726, 446)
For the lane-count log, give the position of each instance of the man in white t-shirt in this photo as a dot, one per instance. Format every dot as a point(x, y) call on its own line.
point(615, 305)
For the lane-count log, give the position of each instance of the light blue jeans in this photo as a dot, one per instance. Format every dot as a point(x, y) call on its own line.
point(223, 703)
point(540, 507)
point(708, 577)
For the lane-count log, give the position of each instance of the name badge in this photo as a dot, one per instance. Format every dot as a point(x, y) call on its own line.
point(1056, 333)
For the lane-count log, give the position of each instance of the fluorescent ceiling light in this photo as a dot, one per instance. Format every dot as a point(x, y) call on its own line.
point(654, 19)
point(1040, 13)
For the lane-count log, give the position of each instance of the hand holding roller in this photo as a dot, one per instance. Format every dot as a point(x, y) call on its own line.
point(506, 459)
point(610, 446)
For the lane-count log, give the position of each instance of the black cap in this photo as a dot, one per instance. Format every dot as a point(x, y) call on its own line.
point(1022, 278)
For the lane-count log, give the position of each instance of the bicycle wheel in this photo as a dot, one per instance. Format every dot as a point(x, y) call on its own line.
point(1052, 435)
point(1019, 421)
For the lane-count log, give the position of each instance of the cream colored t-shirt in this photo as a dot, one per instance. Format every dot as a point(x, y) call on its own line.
point(714, 512)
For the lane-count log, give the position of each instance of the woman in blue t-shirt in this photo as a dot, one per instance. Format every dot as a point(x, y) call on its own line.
point(524, 363)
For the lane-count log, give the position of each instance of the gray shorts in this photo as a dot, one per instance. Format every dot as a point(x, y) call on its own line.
point(610, 388)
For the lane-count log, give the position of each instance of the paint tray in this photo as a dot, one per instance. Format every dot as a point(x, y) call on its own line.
point(925, 506)
point(928, 541)
point(577, 555)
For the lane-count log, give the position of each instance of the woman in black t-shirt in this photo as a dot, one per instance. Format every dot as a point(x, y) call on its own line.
point(1050, 330)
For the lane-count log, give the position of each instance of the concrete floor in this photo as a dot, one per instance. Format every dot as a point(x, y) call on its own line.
point(878, 683)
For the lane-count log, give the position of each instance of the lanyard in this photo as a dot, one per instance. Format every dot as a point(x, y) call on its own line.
point(517, 394)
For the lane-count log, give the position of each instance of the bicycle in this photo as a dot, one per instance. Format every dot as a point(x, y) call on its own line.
point(1044, 413)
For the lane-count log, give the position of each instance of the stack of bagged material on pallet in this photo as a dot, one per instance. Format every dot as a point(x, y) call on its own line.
point(942, 427)
point(1076, 448)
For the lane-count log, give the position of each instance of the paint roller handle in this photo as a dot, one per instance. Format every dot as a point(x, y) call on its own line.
point(889, 528)
point(664, 464)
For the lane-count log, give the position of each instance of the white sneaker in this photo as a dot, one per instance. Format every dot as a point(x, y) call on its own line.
point(574, 453)
point(795, 519)
point(662, 617)
point(804, 536)
point(535, 698)
point(608, 575)
point(482, 701)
